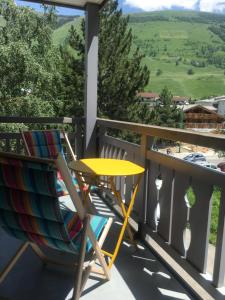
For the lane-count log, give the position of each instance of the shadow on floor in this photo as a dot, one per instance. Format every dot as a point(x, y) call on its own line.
point(137, 274)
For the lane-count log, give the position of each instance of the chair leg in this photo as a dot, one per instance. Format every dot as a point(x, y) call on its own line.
point(86, 274)
point(98, 253)
point(13, 261)
point(78, 278)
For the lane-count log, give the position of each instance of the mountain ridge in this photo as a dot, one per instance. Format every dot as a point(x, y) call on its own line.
point(184, 50)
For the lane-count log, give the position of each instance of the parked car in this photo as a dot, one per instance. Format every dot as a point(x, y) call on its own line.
point(207, 165)
point(221, 166)
point(193, 157)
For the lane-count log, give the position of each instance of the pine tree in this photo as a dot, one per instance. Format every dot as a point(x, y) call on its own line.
point(121, 74)
point(71, 95)
point(166, 113)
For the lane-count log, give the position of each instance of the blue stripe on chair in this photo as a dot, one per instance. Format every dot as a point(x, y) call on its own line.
point(97, 224)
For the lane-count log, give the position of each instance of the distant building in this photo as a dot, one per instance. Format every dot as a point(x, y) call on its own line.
point(206, 102)
point(179, 100)
point(212, 108)
point(221, 107)
point(215, 105)
point(200, 117)
point(152, 98)
point(219, 98)
point(149, 98)
point(218, 103)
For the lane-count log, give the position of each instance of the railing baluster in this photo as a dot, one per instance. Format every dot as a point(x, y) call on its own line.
point(200, 225)
point(166, 203)
point(7, 145)
point(140, 158)
point(152, 196)
point(179, 217)
point(18, 146)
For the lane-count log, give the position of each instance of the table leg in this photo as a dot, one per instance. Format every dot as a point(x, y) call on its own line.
point(122, 206)
point(126, 217)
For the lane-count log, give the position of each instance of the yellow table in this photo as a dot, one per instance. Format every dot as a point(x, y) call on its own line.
point(92, 168)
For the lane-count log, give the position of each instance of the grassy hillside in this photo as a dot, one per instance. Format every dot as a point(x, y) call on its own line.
point(61, 32)
point(174, 43)
point(61, 20)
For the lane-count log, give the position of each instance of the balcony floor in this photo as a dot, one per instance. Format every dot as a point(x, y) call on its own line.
point(137, 274)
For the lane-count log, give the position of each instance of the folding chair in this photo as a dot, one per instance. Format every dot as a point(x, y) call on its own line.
point(30, 211)
point(47, 144)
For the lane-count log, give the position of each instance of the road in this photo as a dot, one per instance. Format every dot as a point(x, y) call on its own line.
point(211, 155)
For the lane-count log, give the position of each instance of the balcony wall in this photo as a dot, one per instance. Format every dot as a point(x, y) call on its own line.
point(162, 211)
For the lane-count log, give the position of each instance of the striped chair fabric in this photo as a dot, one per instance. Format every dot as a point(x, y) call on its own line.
point(44, 143)
point(47, 144)
point(30, 210)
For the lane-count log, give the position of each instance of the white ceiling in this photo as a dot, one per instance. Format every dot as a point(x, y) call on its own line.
point(69, 3)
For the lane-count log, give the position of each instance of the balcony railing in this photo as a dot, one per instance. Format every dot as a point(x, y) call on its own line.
point(218, 126)
point(165, 188)
point(161, 209)
point(12, 141)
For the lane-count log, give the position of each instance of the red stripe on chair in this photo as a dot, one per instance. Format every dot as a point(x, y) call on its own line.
point(51, 144)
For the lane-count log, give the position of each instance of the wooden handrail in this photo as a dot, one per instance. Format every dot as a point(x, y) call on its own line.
point(33, 120)
point(215, 141)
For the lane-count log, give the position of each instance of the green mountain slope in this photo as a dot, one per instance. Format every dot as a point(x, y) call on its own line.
point(61, 32)
point(61, 20)
point(175, 42)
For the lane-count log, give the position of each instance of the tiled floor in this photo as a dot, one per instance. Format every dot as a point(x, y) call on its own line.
point(137, 274)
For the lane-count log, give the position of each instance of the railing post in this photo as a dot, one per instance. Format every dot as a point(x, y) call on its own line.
point(146, 143)
point(219, 263)
point(101, 131)
point(91, 77)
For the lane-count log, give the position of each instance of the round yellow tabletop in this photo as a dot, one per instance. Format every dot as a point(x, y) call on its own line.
point(109, 167)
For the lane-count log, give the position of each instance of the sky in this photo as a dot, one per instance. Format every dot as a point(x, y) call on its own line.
point(200, 5)
point(129, 6)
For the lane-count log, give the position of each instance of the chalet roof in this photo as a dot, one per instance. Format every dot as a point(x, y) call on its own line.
point(79, 4)
point(209, 107)
point(148, 95)
point(196, 108)
point(202, 109)
point(180, 98)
